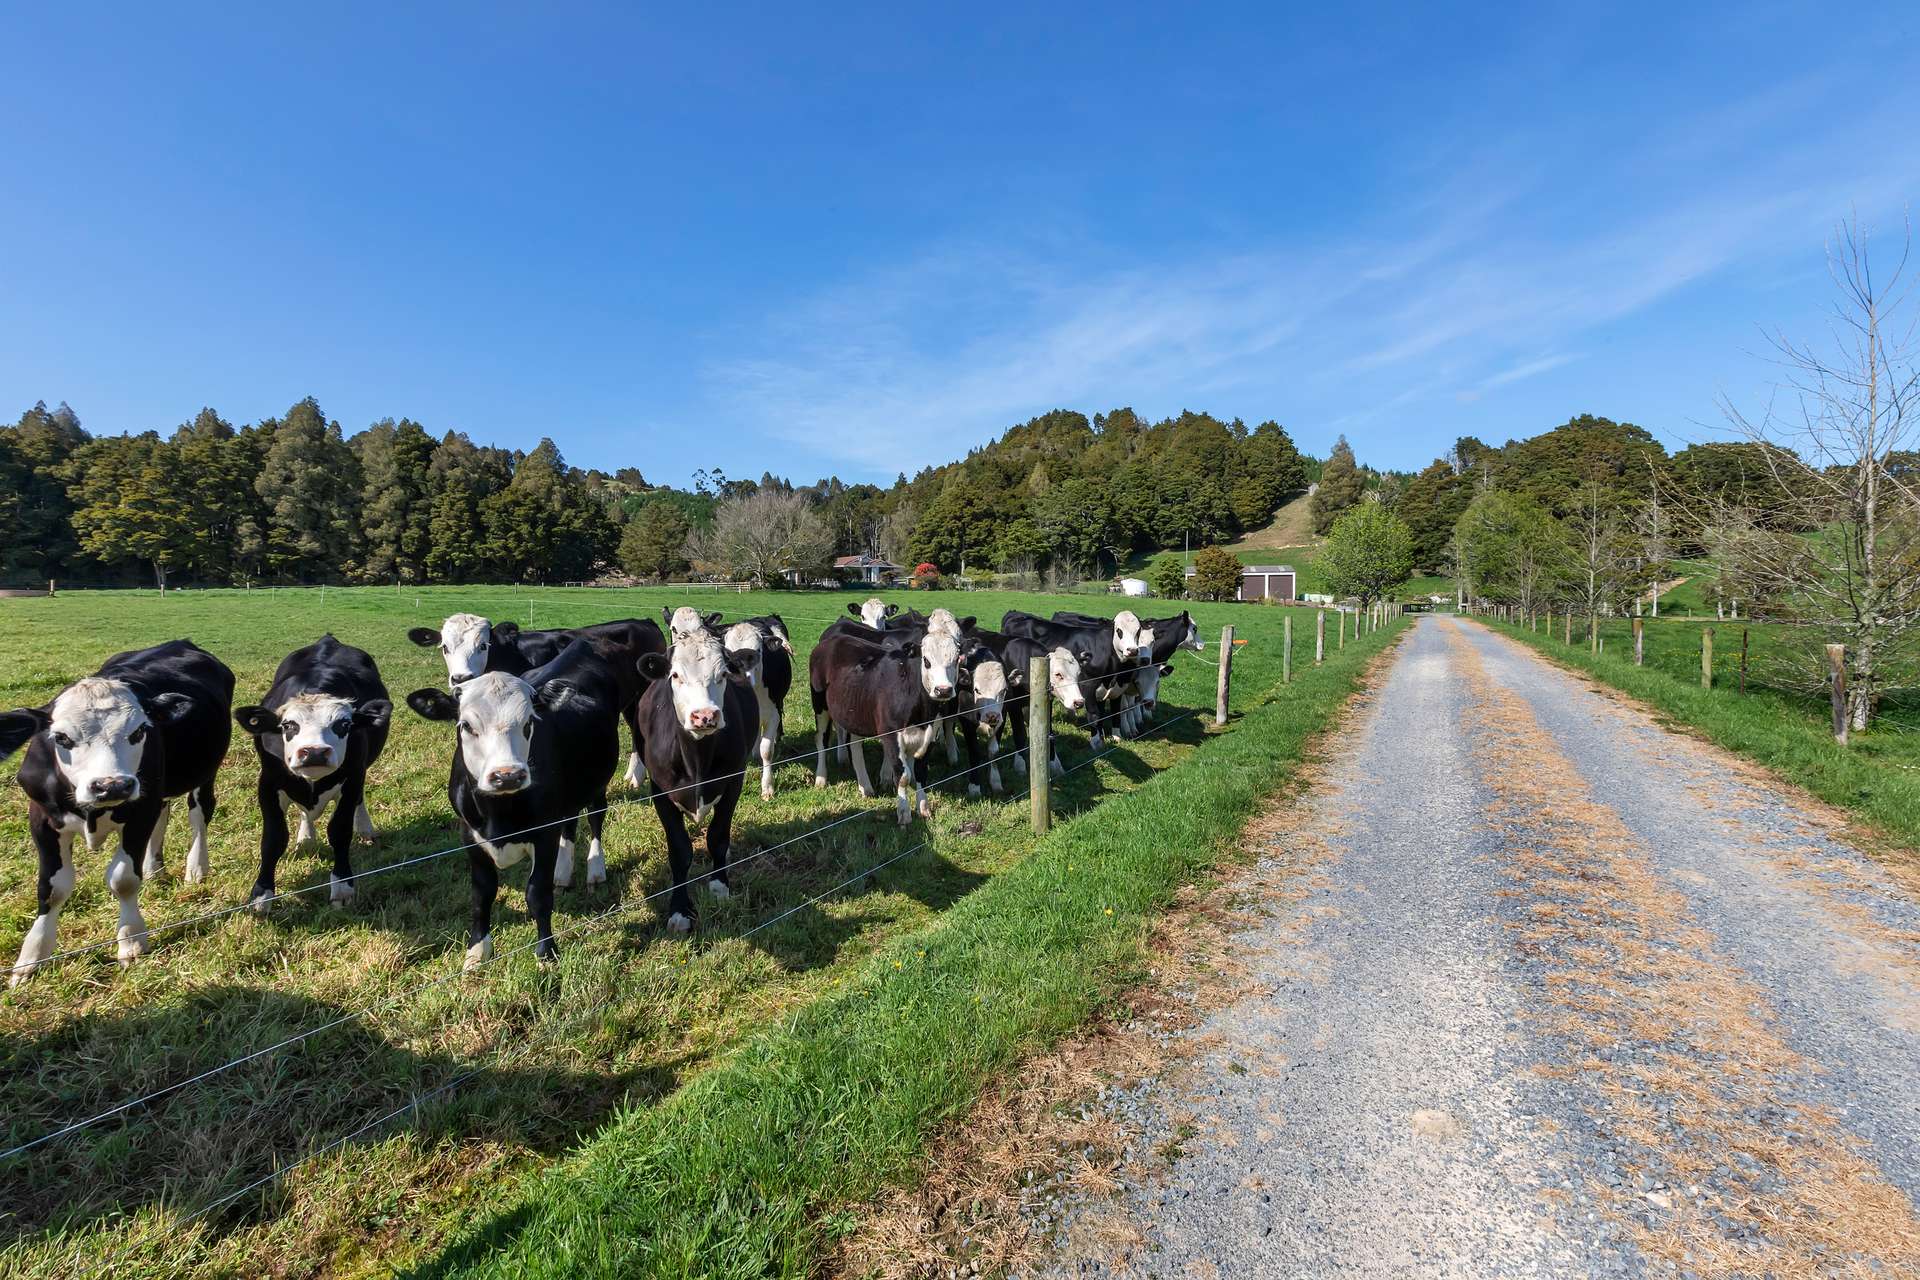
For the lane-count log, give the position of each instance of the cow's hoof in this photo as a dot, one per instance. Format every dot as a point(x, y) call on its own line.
point(973, 791)
point(260, 903)
point(550, 956)
point(341, 893)
point(196, 870)
point(677, 923)
point(633, 776)
point(563, 882)
point(478, 954)
point(596, 874)
point(133, 946)
point(766, 793)
point(151, 867)
point(868, 792)
point(926, 809)
point(20, 974)
point(719, 889)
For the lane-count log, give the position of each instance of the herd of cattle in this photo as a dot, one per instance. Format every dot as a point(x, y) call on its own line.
point(537, 729)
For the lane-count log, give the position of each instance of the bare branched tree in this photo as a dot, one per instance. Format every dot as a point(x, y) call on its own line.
point(1604, 556)
point(758, 537)
point(1831, 539)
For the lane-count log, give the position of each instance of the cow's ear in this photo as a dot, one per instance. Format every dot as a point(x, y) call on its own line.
point(18, 726)
point(434, 704)
point(256, 720)
point(555, 694)
point(1166, 668)
point(712, 620)
point(666, 615)
point(506, 632)
point(654, 666)
point(853, 608)
point(166, 708)
point(1016, 679)
point(373, 713)
point(425, 637)
point(891, 610)
point(1084, 657)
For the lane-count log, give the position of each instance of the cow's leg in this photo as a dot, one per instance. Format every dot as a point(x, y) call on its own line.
point(860, 767)
point(155, 863)
point(273, 844)
point(971, 732)
point(947, 736)
point(993, 763)
point(563, 859)
point(844, 741)
point(720, 838)
point(123, 878)
point(769, 742)
point(363, 821)
point(200, 805)
point(546, 851)
point(917, 761)
point(304, 836)
point(486, 887)
point(340, 840)
point(596, 852)
point(1053, 758)
point(634, 771)
point(679, 862)
point(820, 723)
point(55, 848)
point(891, 748)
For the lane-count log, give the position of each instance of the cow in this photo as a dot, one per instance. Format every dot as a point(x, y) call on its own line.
point(885, 690)
point(1108, 697)
point(983, 705)
point(1075, 656)
point(700, 717)
point(531, 752)
point(686, 620)
point(767, 655)
point(875, 612)
point(322, 726)
point(845, 643)
point(472, 645)
point(103, 759)
point(1092, 643)
point(1160, 639)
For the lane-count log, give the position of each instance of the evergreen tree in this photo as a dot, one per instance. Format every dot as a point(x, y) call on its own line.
point(1340, 487)
point(310, 483)
point(132, 503)
point(654, 542)
point(395, 500)
point(40, 541)
point(1431, 505)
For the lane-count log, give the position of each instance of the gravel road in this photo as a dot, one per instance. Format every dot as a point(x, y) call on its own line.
point(1556, 992)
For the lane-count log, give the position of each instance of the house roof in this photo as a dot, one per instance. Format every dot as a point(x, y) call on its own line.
point(863, 561)
point(1266, 568)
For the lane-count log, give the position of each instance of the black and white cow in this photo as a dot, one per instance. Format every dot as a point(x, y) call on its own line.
point(700, 717)
point(983, 705)
point(471, 645)
point(1160, 639)
point(1071, 654)
point(532, 752)
point(845, 643)
point(322, 726)
point(881, 690)
point(103, 760)
point(1115, 659)
point(874, 612)
point(768, 653)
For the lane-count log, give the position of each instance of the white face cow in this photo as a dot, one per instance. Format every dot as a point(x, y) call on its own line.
point(1126, 636)
point(940, 664)
point(687, 620)
point(744, 637)
point(464, 640)
point(1146, 684)
point(990, 693)
point(99, 733)
point(309, 730)
point(874, 612)
point(698, 667)
point(496, 713)
point(1063, 674)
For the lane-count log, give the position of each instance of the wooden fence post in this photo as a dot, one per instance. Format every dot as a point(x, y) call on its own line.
point(1319, 637)
point(1286, 649)
point(1566, 633)
point(1040, 742)
point(1639, 641)
point(1340, 629)
point(1837, 663)
point(1706, 657)
point(1226, 675)
point(1743, 660)
point(1593, 632)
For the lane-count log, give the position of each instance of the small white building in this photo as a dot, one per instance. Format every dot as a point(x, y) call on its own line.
point(870, 569)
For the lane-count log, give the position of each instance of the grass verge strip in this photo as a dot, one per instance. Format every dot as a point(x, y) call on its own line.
point(1766, 728)
point(726, 1177)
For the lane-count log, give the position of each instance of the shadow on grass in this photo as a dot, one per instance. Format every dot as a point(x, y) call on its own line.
point(205, 1141)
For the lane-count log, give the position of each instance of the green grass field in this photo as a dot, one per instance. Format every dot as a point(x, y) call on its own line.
point(545, 1056)
point(1774, 722)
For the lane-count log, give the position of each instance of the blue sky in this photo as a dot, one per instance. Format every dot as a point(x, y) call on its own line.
point(866, 240)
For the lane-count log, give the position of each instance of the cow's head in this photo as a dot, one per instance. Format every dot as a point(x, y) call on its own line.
point(1126, 636)
point(943, 620)
point(874, 612)
point(98, 730)
point(309, 730)
point(697, 667)
point(1188, 630)
point(990, 692)
point(744, 641)
point(1146, 683)
point(940, 668)
point(1064, 666)
point(686, 620)
point(498, 715)
point(464, 641)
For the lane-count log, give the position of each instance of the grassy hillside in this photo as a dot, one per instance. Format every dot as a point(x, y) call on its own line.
point(628, 1016)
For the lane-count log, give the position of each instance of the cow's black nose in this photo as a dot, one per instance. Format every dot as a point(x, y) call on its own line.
point(315, 755)
point(458, 679)
point(941, 692)
point(117, 786)
point(507, 778)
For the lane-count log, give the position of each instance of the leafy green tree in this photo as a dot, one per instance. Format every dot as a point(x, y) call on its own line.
point(962, 523)
point(396, 499)
point(1020, 545)
point(1368, 553)
point(1075, 520)
point(131, 503)
point(1268, 471)
point(1431, 504)
point(39, 542)
point(1508, 548)
point(1168, 577)
point(654, 543)
point(310, 484)
point(1340, 486)
point(1216, 575)
point(545, 526)
point(462, 476)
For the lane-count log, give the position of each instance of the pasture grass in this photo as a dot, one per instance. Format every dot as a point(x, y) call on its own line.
point(1775, 722)
point(627, 1018)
